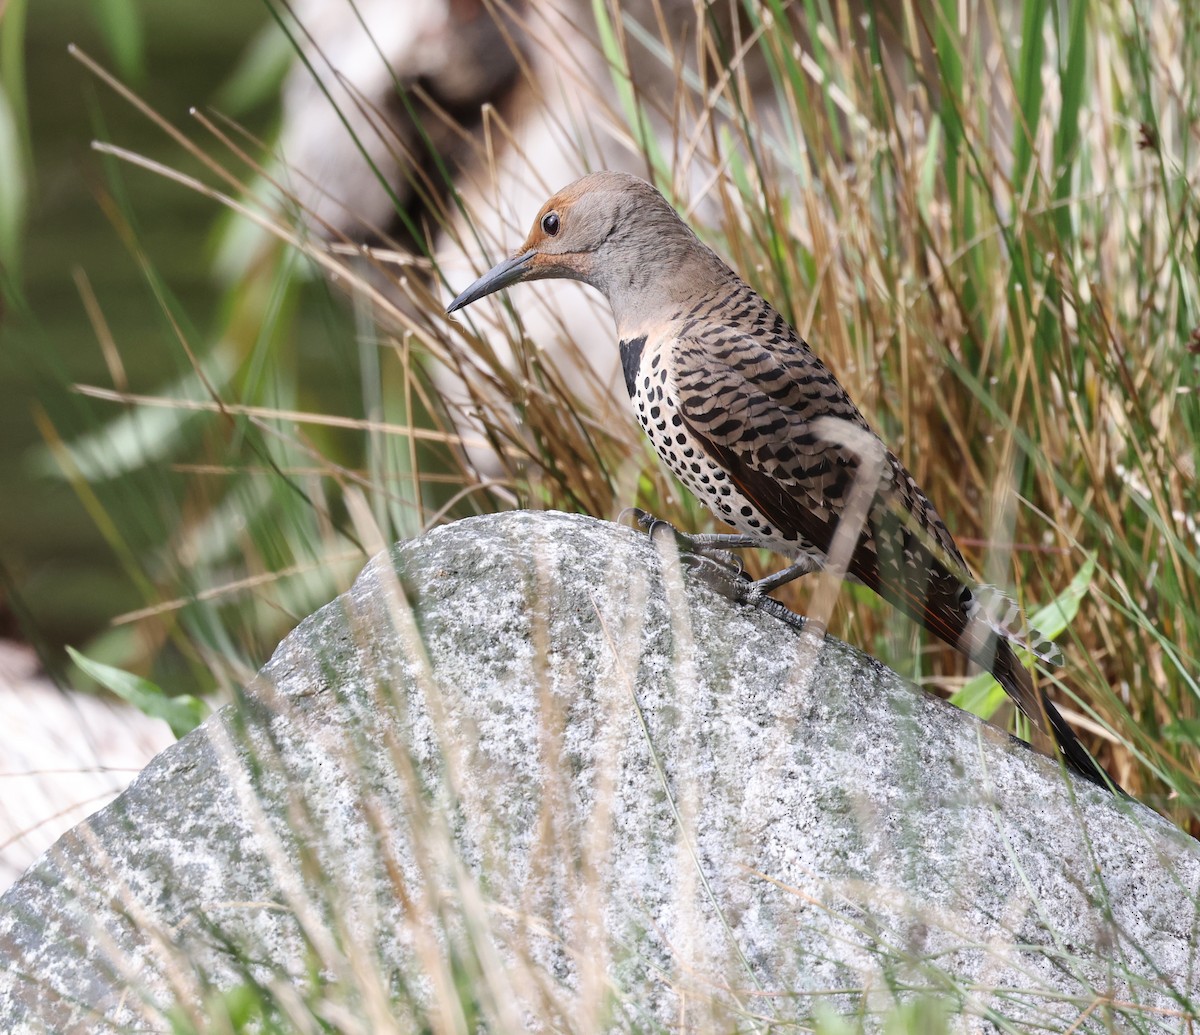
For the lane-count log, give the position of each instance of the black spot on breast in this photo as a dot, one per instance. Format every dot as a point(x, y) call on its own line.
point(631, 359)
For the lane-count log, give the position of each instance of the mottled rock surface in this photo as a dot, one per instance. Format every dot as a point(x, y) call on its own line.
point(613, 800)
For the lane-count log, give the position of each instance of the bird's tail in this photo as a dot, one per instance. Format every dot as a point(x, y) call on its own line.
point(1001, 614)
point(1018, 683)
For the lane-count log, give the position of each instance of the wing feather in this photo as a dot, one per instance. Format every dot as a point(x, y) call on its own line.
point(780, 455)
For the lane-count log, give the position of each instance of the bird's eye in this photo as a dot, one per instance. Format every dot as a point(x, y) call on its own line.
point(550, 223)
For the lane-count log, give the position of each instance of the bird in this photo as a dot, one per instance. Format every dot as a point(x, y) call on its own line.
point(759, 429)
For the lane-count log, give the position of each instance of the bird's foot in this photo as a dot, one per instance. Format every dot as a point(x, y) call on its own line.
point(756, 593)
point(704, 546)
point(706, 555)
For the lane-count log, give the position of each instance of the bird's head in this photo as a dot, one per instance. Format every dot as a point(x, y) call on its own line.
point(610, 230)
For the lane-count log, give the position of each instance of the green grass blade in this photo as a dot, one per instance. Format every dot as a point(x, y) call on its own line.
point(631, 107)
point(1073, 85)
point(1029, 88)
point(14, 191)
point(120, 23)
point(183, 713)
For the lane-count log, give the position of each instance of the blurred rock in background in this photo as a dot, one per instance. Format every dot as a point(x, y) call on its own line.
point(63, 756)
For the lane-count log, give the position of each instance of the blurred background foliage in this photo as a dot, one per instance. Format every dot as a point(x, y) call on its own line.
point(80, 233)
point(75, 232)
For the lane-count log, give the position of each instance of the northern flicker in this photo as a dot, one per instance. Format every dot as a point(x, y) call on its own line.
point(758, 428)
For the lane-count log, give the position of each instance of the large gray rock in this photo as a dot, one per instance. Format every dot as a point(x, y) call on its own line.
point(570, 789)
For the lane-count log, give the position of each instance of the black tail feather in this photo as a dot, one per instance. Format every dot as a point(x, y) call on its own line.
point(1075, 754)
point(1015, 679)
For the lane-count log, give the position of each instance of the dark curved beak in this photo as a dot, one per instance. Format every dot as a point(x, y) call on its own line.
point(500, 276)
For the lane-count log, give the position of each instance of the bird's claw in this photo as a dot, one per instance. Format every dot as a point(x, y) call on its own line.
point(737, 586)
point(720, 569)
point(650, 524)
point(714, 571)
point(686, 544)
point(639, 516)
point(653, 526)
